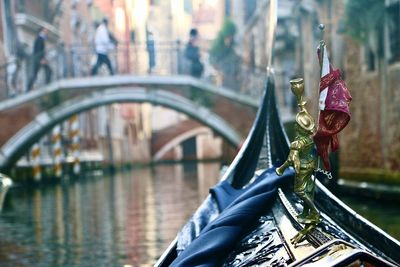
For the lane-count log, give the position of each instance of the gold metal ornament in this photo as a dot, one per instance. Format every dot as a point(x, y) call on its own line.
point(304, 161)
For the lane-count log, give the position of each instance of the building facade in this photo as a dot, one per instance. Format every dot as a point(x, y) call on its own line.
point(370, 69)
point(122, 133)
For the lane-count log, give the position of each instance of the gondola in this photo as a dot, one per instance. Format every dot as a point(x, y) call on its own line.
point(362, 242)
point(341, 238)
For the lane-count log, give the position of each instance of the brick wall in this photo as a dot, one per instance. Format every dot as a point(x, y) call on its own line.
point(372, 138)
point(393, 113)
point(12, 121)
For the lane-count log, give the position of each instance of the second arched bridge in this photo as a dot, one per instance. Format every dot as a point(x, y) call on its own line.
point(225, 112)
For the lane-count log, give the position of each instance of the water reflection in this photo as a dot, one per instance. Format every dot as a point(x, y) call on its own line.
point(387, 218)
point(102, 221)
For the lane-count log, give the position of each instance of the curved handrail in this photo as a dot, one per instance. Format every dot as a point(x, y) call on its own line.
point(76, 60)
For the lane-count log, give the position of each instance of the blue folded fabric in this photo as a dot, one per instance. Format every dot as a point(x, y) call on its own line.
point(221, 196)
point(220, 237)
point(224, 194)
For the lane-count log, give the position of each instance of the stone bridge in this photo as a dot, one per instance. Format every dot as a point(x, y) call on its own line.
point(26, 118)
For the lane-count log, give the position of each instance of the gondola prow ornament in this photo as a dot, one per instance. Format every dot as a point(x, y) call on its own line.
point(304, 161)
point(334, 115)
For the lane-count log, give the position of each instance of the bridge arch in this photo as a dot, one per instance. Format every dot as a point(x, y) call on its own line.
point(179, 139)
point(45, 121)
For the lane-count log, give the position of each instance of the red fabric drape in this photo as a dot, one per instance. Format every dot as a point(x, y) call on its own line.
point(334, 117)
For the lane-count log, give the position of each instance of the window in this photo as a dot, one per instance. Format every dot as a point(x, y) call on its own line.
point(393, 21)
point(250, 8)
point(187, 6)
point(369, 57)
point(227, 8)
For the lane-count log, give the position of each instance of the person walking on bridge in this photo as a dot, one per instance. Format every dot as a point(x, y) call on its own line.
point(39, 58)
point(192, 53)
point(104, 42)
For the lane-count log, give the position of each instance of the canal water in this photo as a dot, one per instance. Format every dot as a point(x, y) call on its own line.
point(385, 214)
point(126, 219)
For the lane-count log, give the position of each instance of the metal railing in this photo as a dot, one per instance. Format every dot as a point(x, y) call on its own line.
point(167, 58)
point(76, 60)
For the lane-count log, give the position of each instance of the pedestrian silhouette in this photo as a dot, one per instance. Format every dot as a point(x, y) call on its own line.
point(151, 51)
point(39, 58)
point(104, 42)
point(192, 53)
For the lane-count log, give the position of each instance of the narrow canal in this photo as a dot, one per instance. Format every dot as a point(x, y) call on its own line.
point(126, 219)
point(385, 214)
point(129, 218)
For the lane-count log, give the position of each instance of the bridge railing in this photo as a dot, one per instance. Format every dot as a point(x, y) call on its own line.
point(77, 60)
point(164, 58)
